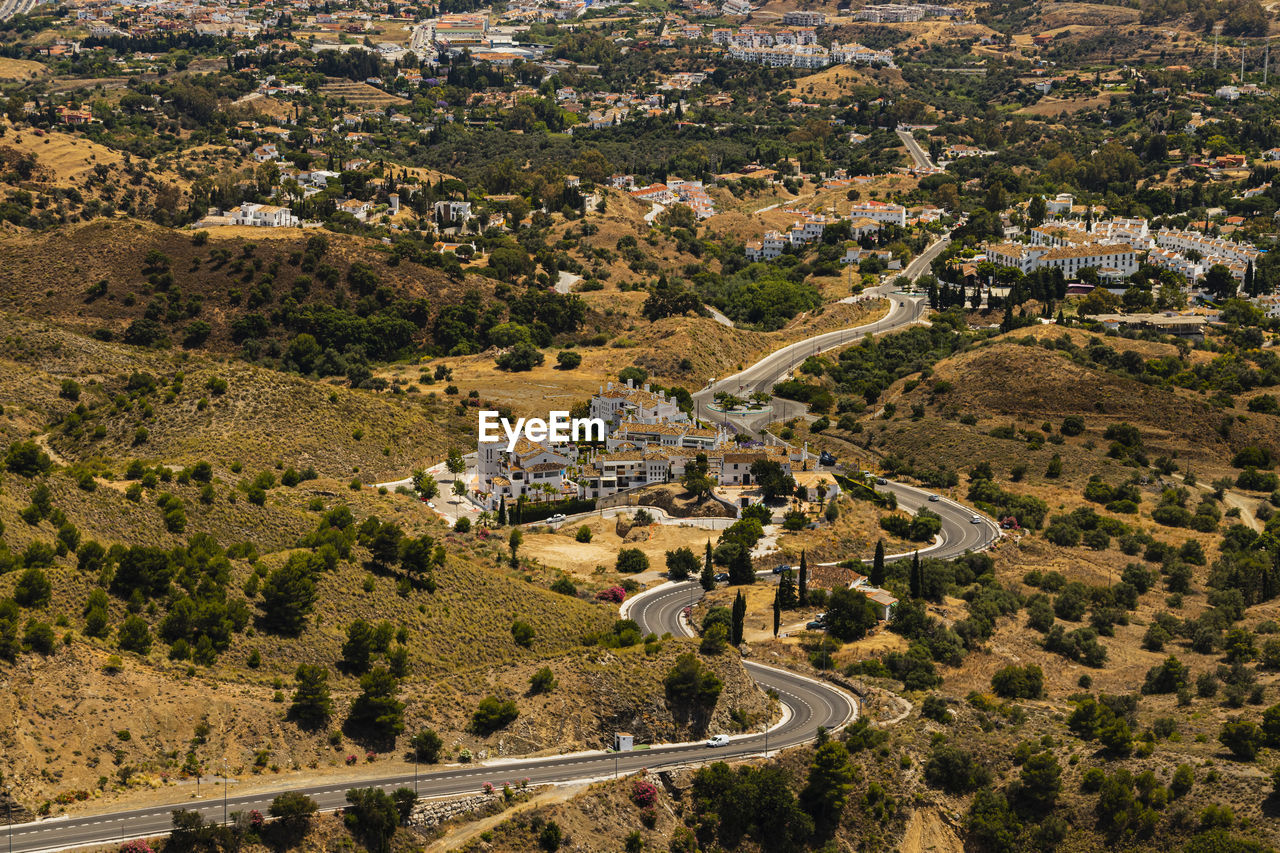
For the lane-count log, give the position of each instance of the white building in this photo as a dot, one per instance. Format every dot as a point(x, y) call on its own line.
point(617, 402)
point(262, 216)
point(856, 54)
point(1060, 205)
point(453, 212)
point(532, 471)
point(801, 18)
point(880, 211)
point(1111, 260)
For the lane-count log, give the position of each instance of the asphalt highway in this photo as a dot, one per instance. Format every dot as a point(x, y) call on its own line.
point(904, 310)
point(917, 153)
point(959, 531)
point(809, 708)
point(809, 704)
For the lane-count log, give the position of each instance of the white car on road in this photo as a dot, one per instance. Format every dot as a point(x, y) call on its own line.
point(718, 740)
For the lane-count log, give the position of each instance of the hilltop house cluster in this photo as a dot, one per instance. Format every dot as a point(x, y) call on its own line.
point(905, 13)
point(648, 440)
point(693, 194)
point(793, 47)
point(1072, 241)
point(865, 218)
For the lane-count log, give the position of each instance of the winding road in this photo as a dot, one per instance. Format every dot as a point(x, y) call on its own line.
point(809, 707)
point(904, 310)
point(809, 703)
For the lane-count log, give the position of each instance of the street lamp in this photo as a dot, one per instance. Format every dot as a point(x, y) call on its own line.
point(224, 790)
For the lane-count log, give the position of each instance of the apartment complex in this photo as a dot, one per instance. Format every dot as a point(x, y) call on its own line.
point(865, 218)
point(1110, 260)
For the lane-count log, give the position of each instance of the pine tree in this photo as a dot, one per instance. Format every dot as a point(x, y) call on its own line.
point(915, 575)
point(739, 618)
point(804, 580)
point(708, 577)
point(877, 565)
point(777, 614)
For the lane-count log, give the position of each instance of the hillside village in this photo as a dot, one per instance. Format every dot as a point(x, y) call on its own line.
point(922, 489)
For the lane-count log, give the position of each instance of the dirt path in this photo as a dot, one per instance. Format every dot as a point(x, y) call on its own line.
point(459, 836)
point(1246, 504)
point(42, 441)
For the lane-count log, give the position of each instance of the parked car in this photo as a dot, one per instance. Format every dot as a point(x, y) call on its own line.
point(825, 458)
point(718, 740)
point(557, 518)
point(816, 625)
point(722, 576)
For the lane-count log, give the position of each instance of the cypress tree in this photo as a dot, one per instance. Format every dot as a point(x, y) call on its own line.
point(739, 618)
point(915, 575)
point(877, 565)
point(502, 512)
point(741, 572)
point(786, 596)
point(777, 614)
point(804, 580)
point(708, 577)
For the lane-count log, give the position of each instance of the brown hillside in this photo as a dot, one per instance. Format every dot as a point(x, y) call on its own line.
point(1033, 382)
point(263, 417)
point(47, 275)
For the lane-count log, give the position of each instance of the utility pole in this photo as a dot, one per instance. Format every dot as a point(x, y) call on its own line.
point(1266, 60)
point(1217, 31)
point(224, 791)
point(8, 813)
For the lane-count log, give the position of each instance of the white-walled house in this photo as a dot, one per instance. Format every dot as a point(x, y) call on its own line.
point(262, 216)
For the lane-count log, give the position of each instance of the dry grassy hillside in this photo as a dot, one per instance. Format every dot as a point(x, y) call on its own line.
point(263, 417)
point(1032, 384)
point(458, 639)
point(49, 275)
